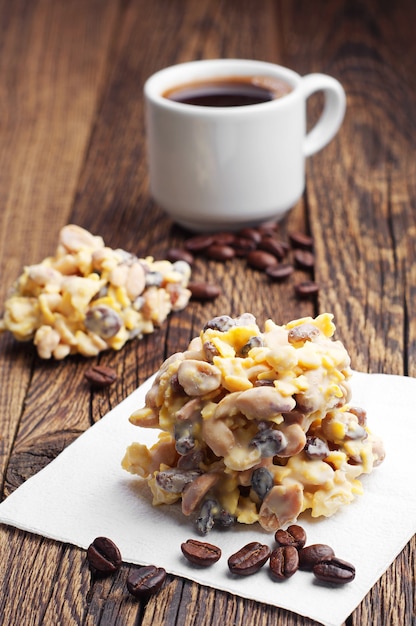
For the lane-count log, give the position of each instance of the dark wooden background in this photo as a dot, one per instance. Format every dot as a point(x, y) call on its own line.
point(72, 150)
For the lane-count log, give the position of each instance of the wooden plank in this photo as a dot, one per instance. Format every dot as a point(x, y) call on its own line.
point(52, 62)
point(363, 280)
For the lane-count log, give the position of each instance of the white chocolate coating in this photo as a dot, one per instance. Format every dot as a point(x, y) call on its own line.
point(265, 414)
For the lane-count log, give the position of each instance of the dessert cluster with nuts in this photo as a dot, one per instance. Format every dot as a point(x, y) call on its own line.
point(88, 297)
point(256, 426)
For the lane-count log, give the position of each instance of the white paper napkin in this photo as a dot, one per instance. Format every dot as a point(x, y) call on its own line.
point(85, 493)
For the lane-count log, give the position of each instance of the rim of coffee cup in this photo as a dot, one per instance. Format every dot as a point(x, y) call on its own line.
point(187, 72)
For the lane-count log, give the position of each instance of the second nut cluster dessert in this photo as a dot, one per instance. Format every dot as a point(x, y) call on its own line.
point(256, 426)
point(88, 297)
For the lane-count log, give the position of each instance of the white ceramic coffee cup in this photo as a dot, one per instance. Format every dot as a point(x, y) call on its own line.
point(215, 168)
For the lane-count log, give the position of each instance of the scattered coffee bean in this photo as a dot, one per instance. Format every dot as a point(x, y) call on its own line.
point(251, 233)
point(301, 240)
point(243, 246)
point(200, 552)
point(103, 556)
point(287, 557)
point(199, 242)
point(279, 272)
point(306, 289)
point(313, 554)
point(249, 559)
point(204, 291)
point(304, 259)
point(179, 254)
point(224, 239)
point(268, 244)
point(334, 571)
point(294, 536)
point(261, 247)
point(261, 260)
point(284, 562)
point(100, 376)
point(146, 581)
point(220, 252)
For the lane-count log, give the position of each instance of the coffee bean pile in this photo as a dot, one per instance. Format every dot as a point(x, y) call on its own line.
point(104, 559)
point(262, 249)
point(288, 555)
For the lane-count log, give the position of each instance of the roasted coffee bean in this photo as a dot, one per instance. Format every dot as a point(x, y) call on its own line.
point(261, 481)
point(304, 259)
point(242, 246)
point(313, 554)
point(268, 244)
point(294, 536)
point(224, 239)
point(261, 260)
point(103, 556)
point(269, 441)
point(279, 272)
point(204, 291)
point(284, 562)
point(100, 376)
point(199, 242)
point(306, 289)
point(200, 552)
point(179, 254)
point(249, 559)
point(145, 581)
point(301, 240)
point(334, 571)
point(219, 252)
point(250, 233)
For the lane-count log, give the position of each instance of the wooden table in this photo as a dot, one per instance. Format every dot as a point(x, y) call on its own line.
point(72, 150)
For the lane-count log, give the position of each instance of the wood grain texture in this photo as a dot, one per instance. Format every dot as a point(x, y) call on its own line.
point(72, 149)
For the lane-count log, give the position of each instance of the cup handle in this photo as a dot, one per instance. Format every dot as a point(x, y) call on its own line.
point(334, 110)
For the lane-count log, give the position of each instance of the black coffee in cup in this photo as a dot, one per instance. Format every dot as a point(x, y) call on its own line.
point(230, 91)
